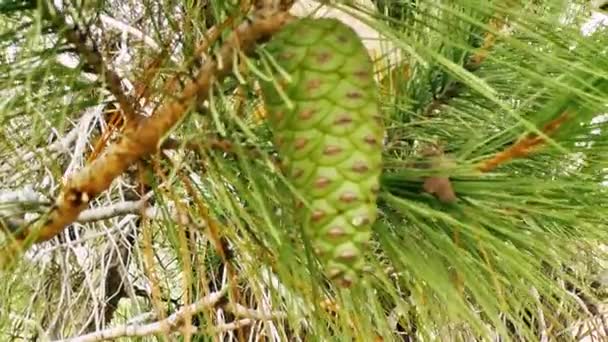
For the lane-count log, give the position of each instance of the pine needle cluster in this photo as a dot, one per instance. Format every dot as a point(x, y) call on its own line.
point(141, 194)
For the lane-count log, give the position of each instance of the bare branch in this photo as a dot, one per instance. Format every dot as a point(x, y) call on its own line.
point(169, 324)
point(250, 315)
point(225, 327)
point(26, 194)
point(542, 324)
point(97, 214)
point(241, 311)
point(122, 208)
point(116, 24)
point(60, 146)
point(94, 60)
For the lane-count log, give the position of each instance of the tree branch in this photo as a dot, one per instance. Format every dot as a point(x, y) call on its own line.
point(142, 139)
point(14, 224)
point(524, 146)
point(93, 59)
point(242, 311)
point(166, 325)
point(131, 30)
point(122, 208)
point(51, 151)
point(474, 61)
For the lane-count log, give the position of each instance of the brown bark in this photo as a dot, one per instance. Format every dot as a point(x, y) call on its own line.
point(524, 146)
point(142, 137)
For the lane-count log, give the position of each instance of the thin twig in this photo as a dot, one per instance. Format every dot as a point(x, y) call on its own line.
point(218, 144)
point(167, 325)
point(94, 60)
point(219, 243)
point(21, 196)
point(115, 121)
point(226, 327)
point(542, 325)
point(84, 132)
point(117, 209)
point(524, 146)
point(131, 30)
point(242, 311)
point(60, 146)
point(116, 278)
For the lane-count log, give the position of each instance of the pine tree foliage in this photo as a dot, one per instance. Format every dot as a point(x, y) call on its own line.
point(491, 212)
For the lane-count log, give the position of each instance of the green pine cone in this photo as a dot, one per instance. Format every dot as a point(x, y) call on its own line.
point(330, 141)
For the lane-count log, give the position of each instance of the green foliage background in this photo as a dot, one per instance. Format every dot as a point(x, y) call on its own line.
point(518, 256)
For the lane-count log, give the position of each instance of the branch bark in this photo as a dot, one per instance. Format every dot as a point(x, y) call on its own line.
point(142, 138)
point(122, 208)
point(523, 147)
point(166, 325)
point(92, 57)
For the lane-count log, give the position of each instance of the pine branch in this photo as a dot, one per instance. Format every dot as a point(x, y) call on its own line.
point(143, 138)
point(474, 62)
point(117, 209)
point(168, 324)
point(93, 59)
point(143, 89)
point(524, 146)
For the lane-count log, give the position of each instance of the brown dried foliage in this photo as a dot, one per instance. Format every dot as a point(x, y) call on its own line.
point(439, 186)
point(524, 146)
point(442, 188)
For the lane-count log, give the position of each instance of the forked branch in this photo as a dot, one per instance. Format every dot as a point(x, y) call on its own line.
point(92, 58)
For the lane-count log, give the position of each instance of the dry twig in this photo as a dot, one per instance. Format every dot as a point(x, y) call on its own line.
point(121, 208)
point(167, 325)
point(93, 59)
point(524, 146)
